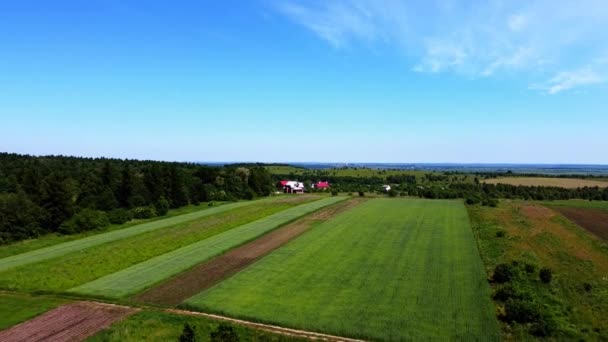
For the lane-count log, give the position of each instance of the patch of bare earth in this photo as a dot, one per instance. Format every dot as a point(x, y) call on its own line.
point(70, 322)
point(593, 220)
point(205, 275)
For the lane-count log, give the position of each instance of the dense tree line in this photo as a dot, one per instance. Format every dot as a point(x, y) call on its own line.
point(67, 194)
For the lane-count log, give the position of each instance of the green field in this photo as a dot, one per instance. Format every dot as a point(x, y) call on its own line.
point(67, 271)
point(578, 203)
point(17, 307)
point(95, 240)
point(145, 274)
point(390, 269)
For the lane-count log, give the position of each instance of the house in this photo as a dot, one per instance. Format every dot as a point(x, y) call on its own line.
point(386, 188)
point(321, 185)
point(291, 187)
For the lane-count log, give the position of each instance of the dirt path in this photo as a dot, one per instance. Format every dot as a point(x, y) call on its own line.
point(266, 327)
point(205, 275)
point(70, 322)
point(593, 220)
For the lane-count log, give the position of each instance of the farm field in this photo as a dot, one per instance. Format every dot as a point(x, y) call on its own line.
point(67, 271)
point(18, 307)
point(150, 272)
point(571, 183)
point(202, 277)
point(80, 244)
point(389, 269)
point(576, 300)
point(69, 322)
point(592, 219)
point(577, 203)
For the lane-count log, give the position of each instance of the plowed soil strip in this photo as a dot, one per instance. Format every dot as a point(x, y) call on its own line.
point(71, 322)
point(593, 220)
point(205, 275)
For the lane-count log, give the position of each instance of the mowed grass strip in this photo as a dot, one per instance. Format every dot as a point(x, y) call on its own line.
point(80, 267)
point(390, 269)
point(569, 183)
point(80, 244)
point(143, 275)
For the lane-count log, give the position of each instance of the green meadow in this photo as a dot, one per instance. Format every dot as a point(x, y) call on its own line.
point(390, 269)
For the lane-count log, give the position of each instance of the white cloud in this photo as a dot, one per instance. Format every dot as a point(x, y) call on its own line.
point(536, 39)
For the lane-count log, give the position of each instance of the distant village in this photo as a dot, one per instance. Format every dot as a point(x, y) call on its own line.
point(295, 187)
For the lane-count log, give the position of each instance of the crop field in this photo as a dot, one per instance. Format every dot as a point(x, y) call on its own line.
point(571, 183)
point(389, 269)
point(205, 275)
point(18, 307)
point(537, 235)
point(67, 271)
point(145, 274)
point(80, 244)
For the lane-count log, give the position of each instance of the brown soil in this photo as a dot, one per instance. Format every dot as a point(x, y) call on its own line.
point(70, 322)
point(593, 220)
point(205, 275)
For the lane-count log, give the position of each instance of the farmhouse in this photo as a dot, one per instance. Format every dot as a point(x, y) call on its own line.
point(291, 187)
point(321, 185)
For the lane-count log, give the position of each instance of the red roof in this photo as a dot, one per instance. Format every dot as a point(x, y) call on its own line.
point(283, 182)
point(322, 185)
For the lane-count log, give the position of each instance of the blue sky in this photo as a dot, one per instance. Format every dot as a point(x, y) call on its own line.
point(342, 80)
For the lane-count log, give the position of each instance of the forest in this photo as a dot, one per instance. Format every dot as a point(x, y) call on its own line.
point(58, 194)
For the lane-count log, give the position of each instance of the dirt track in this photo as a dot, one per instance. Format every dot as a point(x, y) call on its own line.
point(70, 322)
point(593, 220)
point(206, 275)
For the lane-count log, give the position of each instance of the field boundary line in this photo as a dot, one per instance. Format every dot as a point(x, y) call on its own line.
point(266, 327)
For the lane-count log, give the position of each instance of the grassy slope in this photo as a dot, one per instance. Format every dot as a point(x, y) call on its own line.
point(577, 203)
point(571, 183)
point(388, 269)
point(95, 240)
point(67, 271)
point(544, 238)
point(159, 326)
point(16, 308)
point(145, 274)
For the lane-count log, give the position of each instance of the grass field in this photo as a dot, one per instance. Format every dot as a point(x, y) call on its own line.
point(16, 307)
point(67, 271)
point(145, 274)
point(571, 183)
point(161, 327)
point(538, 235)
point(390, 269)
point(95, 240)
point(577, 203)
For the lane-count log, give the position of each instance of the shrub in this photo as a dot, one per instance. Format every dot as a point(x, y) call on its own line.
point(334, 193)
point(503, 273)
point(522, 311)
point(588, 287)
point(144, 212)
point(361, 193)
point(402, 194)
point(224, 333)
point(210, 204)
point(119, 216)
point(85, 220)
point(500, 233)
point(392, 193)
point(490, 202)
point(350, 194)
point(545, 275)
point(545, 326)
point(472, 200)
point(188, 334)
point(161, 206)
point(529, 268)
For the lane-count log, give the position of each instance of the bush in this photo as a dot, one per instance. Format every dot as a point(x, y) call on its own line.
point(161, 206)
point(334, 193)
point(545, 275)
point(472, 200)
point(501, 233)
point(224, 333)
point(144, 212)
point(545, 326)
point(588, 287)
point(188, 334)
point(119, 216)
point(529, 268)
point(392, 193)
point(85, 220)
point(503, 273)
point(522, 311)
point(361, 193)
point(490, 202)
point(402, 194)
point(210, 204)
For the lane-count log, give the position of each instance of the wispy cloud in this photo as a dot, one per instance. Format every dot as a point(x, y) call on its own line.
point(539, 39)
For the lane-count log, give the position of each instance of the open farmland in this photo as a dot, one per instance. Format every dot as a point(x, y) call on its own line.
point(574, 305)
point(80, 244)
point(67, 271)
point(385, 270)
point(570, 183)
point(18, 307)
point(145, 274)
